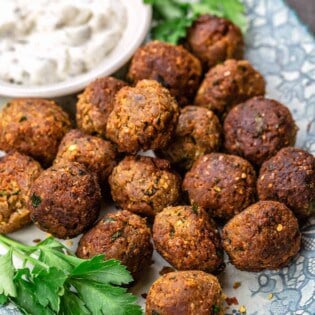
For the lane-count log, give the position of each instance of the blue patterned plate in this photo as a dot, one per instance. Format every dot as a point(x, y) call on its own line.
point(282, 49)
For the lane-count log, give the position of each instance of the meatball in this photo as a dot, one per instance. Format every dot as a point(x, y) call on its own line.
point(289, 177)
point(96, 154)
point(144, 185)
point(258, 129)
point(17, 173)
point(222, 184)
point(172, 66)
point(213, 39)
point(33, 127)
point(144, 117)
point(187, 238)
point(65, 200)
point(96, 103)
point(229, 84)
point(198, 132)
point(121, 235)
point(264, 236)
point(186, 293)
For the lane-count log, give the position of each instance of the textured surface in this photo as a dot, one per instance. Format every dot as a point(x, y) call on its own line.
point(282, 49)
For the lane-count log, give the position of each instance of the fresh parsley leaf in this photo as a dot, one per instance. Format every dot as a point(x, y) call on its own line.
point(3, 299)
point(27, 301)
point(96, 269)
point(171, 18)
point(7, 286)
point(49, 286)
point(105, 299)
point(71, 304)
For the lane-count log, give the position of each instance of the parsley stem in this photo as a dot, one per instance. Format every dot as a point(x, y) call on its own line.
point(9, 241)
point(21, 250)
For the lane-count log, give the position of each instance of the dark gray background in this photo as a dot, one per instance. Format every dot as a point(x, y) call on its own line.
point(305, 10)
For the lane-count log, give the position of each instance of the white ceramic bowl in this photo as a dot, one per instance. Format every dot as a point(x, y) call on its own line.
point(138, 23)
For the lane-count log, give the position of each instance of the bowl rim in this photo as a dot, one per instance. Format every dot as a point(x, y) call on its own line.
point(139, 17)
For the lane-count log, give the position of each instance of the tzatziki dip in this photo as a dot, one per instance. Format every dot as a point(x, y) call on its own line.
point(45, 41)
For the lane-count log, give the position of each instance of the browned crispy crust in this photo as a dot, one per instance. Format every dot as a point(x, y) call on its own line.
point(121, 235)
point(198, 132)
point(65, 200)
point(289, 177)
point(144, 185)
point(222, 184)
point(258, 129)
point(96, 103)
point(172, 66)
point(96, 154)
point(33, 127)
point(187, 238)
point(17, 173)
point(186, 293)
point(264, 236)
point(144, 117)
point(229, 84)
point(213, 39)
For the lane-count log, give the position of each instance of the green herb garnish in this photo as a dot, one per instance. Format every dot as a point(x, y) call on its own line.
point(171, 18)
point(36, 200)
point(54, 281)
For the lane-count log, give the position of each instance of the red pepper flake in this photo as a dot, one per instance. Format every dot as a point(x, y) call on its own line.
point(165, 270)
point(231, 300)
point(37, 240)
point(236, 284)
point(144, 295)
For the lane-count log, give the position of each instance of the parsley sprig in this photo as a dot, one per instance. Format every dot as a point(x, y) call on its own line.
point(54, 281)
point(171, 18)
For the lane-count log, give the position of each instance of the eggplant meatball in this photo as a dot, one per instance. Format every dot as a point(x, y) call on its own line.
point(289, 177)
point(33, 127)
point(186, 293)
point(229, 84)
point(121, 235)
point(17, 173)
point(96, 103)
point(264, 236)
point(198, 132)
point(172, 66)
point(213, 39)
point(65, 200)
point(144, 117)
point(258, 129)
point(188, 239)
point(144, 185)
point(96, 154)
point(222, 184)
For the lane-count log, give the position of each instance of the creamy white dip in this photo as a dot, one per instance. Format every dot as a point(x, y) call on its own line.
point(47, 41)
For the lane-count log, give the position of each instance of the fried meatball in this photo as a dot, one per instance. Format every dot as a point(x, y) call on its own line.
point(65, 200)
point(222, 184)
point(264, 236)
point(229, 84)
point(289, 177)
point(144, 117)
point(144, 185)
point(187, 238)
point(96, 154)
point(198, 132)
point(186, 293)
point(96, 103)
point(213, 39)
point(258, 129)
point(17, 173)
point(121, 235)
point(33, 127)
point(172, 66)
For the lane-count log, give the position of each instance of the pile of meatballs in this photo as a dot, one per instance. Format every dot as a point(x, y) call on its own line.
point(224, 157)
